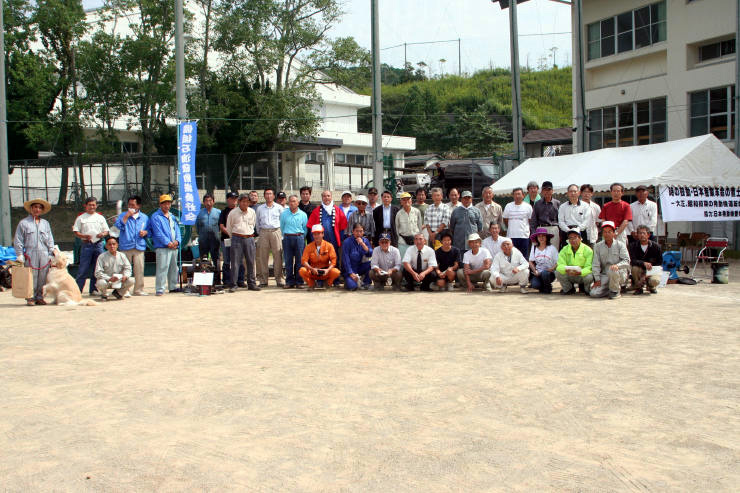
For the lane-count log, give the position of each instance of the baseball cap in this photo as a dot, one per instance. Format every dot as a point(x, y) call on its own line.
point(466, 193)
point(574, 231)
point(473, 237)
point(346, 192)
point(361, 198)
point(546, 185)
point(317, 227)
point(608, 224)
point(384, 236)
point(282, 195)
point(165, 197)
point(640, 188)
point(232, 195)
point(405, 195)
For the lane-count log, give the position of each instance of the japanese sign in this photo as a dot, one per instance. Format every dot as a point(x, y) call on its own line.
point(188, 135)
point(700, 203)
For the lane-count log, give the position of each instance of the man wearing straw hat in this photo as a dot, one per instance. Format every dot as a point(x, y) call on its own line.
point(164, 231)
point(34, 245)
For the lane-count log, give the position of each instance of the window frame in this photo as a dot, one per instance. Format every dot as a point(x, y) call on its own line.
point(595, 45)
point(728, 112)
point(613, 130)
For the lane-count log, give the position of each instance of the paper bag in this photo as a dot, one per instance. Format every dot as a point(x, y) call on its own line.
point(22, 279)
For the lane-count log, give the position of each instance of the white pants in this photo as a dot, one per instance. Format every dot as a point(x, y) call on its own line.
point(103, 286)
point(521, 278)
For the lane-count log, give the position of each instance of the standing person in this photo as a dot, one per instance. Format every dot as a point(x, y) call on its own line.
point(436, 217)
point(575, 261)
point(132, 226)
point(385, 218)
point(490, 212)
point(644, 212)
point(418, 265)
point(454, 196)
point(618, 212)
point(494, 240)
point(464, 221)
point(207, 224)
point(509, 267)
point(645, 255)
point(293, 226)
point(282, 199)
point(516, 217)
point(421, 201)
point(34, 245)
point(164, 230)
point(545, 213)
point(270, 240)
point(306, 206)
point(319, 260)
point(408, 223)
point(592, 232)
point(362, 216)
point(240, 226)
point(439, 176)
point(532, 193)
point(222, 218)
point(372, 194)
point(574, 214)
point(476, 266)
point(347, 206)
point(385, 264)
point(254, 199)
point(90, 227)
point(356, 254)
point(543, 260)
point(331, 218)
point(112, 268)
point(448, 262)
point(610, 265)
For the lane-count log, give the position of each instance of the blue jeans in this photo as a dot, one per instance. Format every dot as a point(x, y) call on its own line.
point(363, 270)
point(166, 269)
point(89, 254)
point(227, 267)
point(543, 282)
point(209, 245)
point(293, 246)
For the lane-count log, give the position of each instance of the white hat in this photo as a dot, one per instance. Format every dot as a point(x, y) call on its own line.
point(473, 237)
point(317, 227)
point(346, 192)
point(361, 198)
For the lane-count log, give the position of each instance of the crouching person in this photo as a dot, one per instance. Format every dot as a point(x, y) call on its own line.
point(476, 266)
point(645, 254)
point(319, 260)
point(385, 264)
point(574, 265)
point(113, 269)
point(509, 267)
point(610, 265)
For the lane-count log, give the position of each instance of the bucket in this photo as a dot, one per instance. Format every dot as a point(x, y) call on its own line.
point(720, 273)
point(204, 290)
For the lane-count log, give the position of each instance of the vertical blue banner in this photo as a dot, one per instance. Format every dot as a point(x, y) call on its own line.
point(187, 137)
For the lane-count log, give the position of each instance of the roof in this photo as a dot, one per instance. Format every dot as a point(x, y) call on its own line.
point(421, 157)
point(703, 160)
point(562, 135)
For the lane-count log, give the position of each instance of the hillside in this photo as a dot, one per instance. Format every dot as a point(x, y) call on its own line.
point(445, 113)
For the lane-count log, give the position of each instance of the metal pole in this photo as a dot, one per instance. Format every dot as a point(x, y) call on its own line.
point(180, 62)
point(580, 90)
point(459, 60)
point(6, 237)
point(516, 97)
point(405, 60)
point(737, 81)
point(376, 105)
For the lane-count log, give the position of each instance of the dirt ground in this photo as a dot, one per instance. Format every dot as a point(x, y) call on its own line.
point(335, 391)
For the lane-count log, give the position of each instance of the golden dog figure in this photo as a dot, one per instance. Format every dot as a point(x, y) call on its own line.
point(60, 286)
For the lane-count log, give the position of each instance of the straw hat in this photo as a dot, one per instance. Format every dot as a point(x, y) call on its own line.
point(47, 206)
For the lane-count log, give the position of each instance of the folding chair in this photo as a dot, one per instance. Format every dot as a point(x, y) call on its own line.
point(706, 256)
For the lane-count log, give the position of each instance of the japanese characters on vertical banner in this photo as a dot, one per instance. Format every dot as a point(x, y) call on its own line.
point(188, 133)
point(700, 203)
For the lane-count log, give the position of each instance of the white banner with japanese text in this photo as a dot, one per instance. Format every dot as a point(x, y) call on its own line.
point(190, 200)
point(700, 203)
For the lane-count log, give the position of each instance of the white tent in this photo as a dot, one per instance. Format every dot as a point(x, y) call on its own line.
point(703, 160)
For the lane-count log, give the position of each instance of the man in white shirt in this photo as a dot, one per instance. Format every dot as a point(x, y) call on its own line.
point(574, 214)
point(418, 265)
point(476, 266)
point(409, 221)
point(494, 240)
point(592, 231)
point(509, 267)
point(270, 239)
point(385, 263)
point(90, 227)
point(490, 212)
point(113, 270)
point(516, 217)
point(644, 213)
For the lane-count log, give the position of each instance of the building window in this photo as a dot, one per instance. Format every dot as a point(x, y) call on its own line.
point(713, 111)
point(130, 147)
point(716, 50)
point(638, 123)
point(627, 31)
point(316, 157)
point(340, 158)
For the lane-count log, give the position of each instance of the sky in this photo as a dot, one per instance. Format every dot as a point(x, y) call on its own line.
point(482, 27)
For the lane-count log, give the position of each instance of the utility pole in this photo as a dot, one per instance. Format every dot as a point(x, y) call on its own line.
point(6, 237)
point(376, 106)
point(580, 90)
point(182, 112)
point(459, 59)
point(554, 51)
point(405, 60)
point(737, 80)
point(516, 96)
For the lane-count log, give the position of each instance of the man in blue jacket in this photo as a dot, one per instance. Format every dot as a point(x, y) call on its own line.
point(132, 226)
point(164, 230)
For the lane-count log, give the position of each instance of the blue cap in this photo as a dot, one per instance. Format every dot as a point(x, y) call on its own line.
point(385, 236)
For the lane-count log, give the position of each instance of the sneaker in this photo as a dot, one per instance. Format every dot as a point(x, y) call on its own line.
point(451, 287)
point(614, 295)
point(117, 294)
point(503, 288)
point(176, 290)
point(142, 293)
point(434, 287)
point(127, 295)
point(232, 289)
point(365, 287)
point(254, 288)
point(489, 289)
point(159, 293)
point(637, 291)
point(95, 293)
point(523, 289)
point(653, 290)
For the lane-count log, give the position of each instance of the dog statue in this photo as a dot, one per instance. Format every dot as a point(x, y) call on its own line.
point(60, 286)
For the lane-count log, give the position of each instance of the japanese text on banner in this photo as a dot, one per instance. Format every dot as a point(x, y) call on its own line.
point(190, 199)
point(700, 203)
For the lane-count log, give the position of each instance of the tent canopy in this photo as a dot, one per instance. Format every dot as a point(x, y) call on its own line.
point(703, 160)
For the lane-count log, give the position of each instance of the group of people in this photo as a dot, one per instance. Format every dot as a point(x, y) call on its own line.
point(365, 243)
